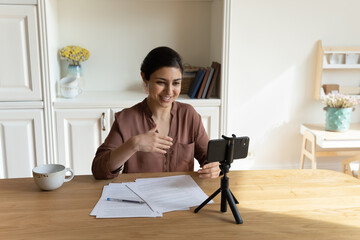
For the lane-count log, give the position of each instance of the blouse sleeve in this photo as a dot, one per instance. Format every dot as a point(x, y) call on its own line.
point(100, 164)
point(201, 140)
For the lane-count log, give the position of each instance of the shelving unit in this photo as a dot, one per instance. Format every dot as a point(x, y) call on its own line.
point(119, 34)
point(332, 67)
point(341, 66)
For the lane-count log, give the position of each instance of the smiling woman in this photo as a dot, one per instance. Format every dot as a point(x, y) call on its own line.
point(158, 134)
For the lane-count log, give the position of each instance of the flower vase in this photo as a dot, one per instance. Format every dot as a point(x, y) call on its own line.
point(73, 84)
point(338, 119)
point(76, 71)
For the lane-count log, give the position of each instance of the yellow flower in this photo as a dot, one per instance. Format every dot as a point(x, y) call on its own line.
point(74, 54)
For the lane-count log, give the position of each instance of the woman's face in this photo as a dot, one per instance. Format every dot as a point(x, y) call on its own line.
point(164, 86)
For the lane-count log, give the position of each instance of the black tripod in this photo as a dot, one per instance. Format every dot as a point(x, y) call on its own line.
point(226, 194)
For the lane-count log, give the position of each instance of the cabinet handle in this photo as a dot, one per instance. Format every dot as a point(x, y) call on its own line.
point(103, 122)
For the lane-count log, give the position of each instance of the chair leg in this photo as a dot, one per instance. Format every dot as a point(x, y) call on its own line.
point(314, 163)
point(302, 161)
point(302, 157)
point(308, 138)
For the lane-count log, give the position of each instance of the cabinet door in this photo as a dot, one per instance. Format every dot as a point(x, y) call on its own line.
point(79, 134)
point(19, 59)
point(210, 119)
point(22, 144)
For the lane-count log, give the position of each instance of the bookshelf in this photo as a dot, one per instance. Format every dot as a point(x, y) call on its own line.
point(118, 34)
point(337, 65)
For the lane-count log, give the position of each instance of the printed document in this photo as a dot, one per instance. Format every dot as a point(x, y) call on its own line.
point(160, 195)
point(113, 209)
point(169, 193)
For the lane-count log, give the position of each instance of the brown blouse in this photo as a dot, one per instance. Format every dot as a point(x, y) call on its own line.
point(186, 129)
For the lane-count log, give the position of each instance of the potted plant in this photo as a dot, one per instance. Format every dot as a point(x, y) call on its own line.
point(338, 111)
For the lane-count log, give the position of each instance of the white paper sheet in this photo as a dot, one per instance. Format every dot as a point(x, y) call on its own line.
point(110, 209)
point(160, 195)
point(103, 197)
point(169, 193)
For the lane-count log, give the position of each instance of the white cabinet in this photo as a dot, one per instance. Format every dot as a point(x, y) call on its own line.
point(79, 133)
point(20, 77)
point(210, 119)
point(22, 120)
point(32, 32)
point(22, 144)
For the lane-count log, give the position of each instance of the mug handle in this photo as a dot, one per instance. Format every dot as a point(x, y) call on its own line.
point(68, 179)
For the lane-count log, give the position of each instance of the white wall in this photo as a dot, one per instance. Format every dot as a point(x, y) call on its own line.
point(130, 29)
point(272, 70)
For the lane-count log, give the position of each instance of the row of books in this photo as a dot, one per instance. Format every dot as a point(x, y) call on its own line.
point(204, 81)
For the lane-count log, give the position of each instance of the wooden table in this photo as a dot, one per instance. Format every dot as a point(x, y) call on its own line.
point(330, 144)
point(274, 204)
point(329, 139)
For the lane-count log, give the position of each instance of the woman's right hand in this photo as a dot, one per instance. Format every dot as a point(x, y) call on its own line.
point(152, 141)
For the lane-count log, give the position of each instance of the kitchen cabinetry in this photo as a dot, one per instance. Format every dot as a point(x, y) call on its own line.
point(210, 120)
point(79, 133)
point(20, 78)
point(118, 33)
point(22, 143)
point(338, 65)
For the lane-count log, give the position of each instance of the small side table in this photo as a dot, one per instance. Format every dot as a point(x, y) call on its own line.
point(332, 144)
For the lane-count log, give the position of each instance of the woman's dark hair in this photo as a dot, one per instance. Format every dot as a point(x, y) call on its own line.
point(160, 57)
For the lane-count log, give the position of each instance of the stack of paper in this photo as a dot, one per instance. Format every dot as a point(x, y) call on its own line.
point(159, 195)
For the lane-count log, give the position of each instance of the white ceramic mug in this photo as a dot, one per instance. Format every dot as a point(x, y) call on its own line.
point(51, 176)
point(69, 87)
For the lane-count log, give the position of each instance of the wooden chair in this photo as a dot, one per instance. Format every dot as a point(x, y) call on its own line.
point(308, 150)
point(346, 165)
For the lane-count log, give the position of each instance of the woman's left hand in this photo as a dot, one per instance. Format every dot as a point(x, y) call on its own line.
point(210, 170)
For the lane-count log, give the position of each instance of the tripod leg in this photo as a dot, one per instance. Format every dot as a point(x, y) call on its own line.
point(207, 200)
point(223, 205)
point(233, 206)
point(236, 201)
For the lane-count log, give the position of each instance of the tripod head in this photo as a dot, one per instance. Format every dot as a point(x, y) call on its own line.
point(227, 149)
point(229, 155)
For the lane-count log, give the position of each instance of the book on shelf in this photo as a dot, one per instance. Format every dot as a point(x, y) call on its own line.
point(214, 78)
point(195, 85)
point(207, 84)
point(203, 83)
point(188, 77)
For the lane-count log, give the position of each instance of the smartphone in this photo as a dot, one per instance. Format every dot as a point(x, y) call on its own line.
point(217, 149)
